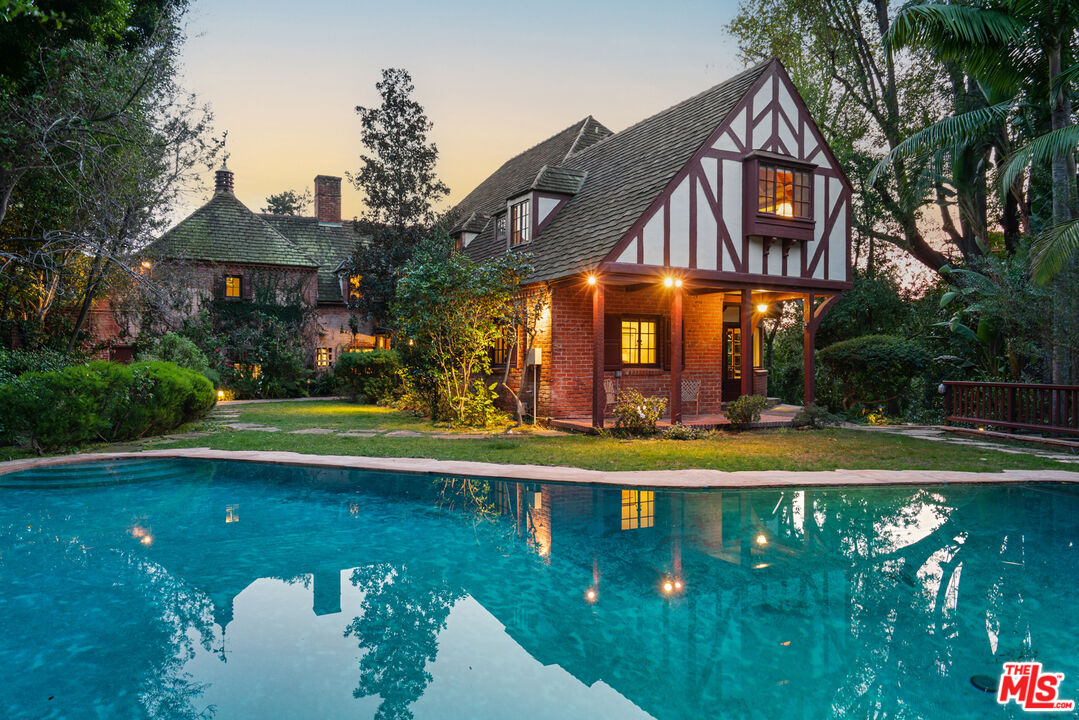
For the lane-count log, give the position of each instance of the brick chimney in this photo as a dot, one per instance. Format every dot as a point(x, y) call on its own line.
point(328, 199)
point(223, 180)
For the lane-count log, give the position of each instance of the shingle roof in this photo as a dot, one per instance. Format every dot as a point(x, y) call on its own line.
point(517, 174)
point(224, 230)
point(327, 245)
point(566, 181)
point(626, 171)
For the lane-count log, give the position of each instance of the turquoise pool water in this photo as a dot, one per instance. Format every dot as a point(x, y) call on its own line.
point(179, 589)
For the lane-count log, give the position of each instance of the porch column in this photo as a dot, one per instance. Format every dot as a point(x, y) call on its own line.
point(746, 317)
point(676, 355)
point(808, 342)
point(599, 395)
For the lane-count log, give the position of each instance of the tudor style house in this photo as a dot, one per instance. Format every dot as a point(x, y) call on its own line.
point(225, 250)
point(662, 246)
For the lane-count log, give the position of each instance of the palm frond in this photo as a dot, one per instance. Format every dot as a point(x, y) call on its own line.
point(951, 132)
point(1052, 249)
point(1070, 75)
point(937, 24)
point(1043, 149)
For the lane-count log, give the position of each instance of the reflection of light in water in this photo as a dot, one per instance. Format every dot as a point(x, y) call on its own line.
point(931, 575)
point(762, 540)
point(668, 586)
point(911, 523)
point(798, 510)
point(590, 595)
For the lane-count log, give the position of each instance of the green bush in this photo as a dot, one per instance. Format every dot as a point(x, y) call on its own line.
point(176, 349)
point(871, 370)
point(479, 406)
point(100, 401)
point(16, 362)
point(746, 409)
point(637, 414)
point(814, 417)
point(687, 432)
point(373, 376)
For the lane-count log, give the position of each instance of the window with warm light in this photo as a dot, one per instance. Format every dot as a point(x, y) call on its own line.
point(232, 513)
point(520, 230)
point(783, 191)
point(232, 286)
point(382, 342)
point(354, 288)
point(638, 509)
point(734, 353)
point(323, 357)
point(499, 351)
point(638, 341)
point(248, 371)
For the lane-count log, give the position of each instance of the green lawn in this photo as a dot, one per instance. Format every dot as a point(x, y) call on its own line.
point(781, 449)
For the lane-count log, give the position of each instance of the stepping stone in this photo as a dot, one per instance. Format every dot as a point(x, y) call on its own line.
point(358, 433)
point(405, 433)
point(459, 436)
point(311, 431)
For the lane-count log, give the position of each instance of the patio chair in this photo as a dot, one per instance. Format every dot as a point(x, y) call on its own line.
point(691, 392)
point(611, 388)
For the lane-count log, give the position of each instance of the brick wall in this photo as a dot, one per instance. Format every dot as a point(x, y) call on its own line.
point(569, 369)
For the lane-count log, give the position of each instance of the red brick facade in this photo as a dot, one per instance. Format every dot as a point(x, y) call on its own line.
point(565, 340)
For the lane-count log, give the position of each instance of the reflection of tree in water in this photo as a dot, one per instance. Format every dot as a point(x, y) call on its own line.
point(906, 617)
point(403, 613)
point(166, 690)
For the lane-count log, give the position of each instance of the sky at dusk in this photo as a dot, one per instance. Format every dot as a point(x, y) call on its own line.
point(495, 78)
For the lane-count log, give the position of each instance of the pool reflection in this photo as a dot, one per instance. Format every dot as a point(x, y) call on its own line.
point(571, 600)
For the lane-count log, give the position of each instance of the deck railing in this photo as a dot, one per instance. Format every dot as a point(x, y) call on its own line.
point(1019, 406)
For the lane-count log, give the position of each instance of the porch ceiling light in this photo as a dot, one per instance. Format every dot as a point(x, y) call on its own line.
point(678, 282)
point(762, 308)
point(668, 281)
point(592, 279)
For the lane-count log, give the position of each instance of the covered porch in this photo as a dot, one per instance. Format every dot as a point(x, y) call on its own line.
point(689, 338)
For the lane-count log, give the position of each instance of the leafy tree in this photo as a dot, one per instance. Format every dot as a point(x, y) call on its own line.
point(872, 369)
point(400, 190)
point(451, 310)
point(288, 202)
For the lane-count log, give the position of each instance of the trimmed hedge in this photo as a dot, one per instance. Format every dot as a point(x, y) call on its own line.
point(100, 401)
point(373, 376)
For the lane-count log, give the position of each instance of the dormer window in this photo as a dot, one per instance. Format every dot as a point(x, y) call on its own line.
point(520, 226)
point(783, 191)
point(500, 227)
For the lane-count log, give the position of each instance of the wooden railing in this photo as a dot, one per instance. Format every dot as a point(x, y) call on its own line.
point(1018, 406)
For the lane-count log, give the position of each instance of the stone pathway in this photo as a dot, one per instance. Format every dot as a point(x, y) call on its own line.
point(929, 432)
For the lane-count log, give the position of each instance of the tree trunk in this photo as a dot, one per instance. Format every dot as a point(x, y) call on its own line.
point(88, 298)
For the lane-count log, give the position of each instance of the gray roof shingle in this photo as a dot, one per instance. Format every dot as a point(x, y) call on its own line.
point(327, 245)
point(518, 173)
point(224, 230)
point(625, 171)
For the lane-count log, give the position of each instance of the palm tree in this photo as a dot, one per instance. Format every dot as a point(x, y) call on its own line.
point(1016, 52)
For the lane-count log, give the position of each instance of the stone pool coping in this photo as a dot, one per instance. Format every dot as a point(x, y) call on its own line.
point(687, 479)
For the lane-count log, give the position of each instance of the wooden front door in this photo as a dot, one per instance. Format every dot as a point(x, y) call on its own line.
point(732, 361)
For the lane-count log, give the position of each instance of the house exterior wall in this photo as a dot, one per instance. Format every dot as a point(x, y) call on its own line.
point(567, 390)
point(333, 331)
point(707, 220)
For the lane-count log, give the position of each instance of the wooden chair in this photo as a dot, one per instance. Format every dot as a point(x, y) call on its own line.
point(691, 392)
point(611, 388)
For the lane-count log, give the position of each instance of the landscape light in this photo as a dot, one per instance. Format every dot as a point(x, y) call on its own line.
point(220, 394)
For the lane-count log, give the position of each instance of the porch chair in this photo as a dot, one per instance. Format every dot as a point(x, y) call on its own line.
point(611, 388)
point(691, 392)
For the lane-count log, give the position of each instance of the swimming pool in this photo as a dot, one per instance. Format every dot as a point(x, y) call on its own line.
point(182, 588)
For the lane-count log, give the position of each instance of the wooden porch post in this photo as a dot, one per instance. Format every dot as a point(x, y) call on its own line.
point(813, 314)
point(676, 355)
point(746, 317)
point(599, 395)
point(808, 342)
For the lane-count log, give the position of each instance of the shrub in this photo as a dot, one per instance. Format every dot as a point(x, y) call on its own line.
point(872, 370)
point(687, 432)
point(373, 376)
point(814, 417)
point(176, 349)
point(637, 414)
point(16, 362)
point(746, 409)
point(100, 401)
point(479, 408)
